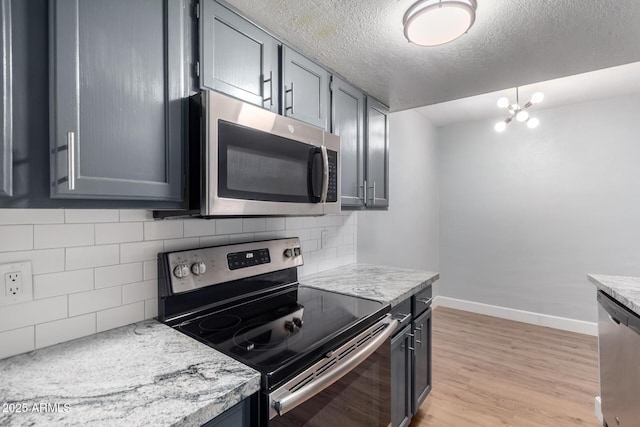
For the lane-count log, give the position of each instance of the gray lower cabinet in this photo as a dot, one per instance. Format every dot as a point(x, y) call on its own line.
point(401, 374)
point(422, 361)
point(347, 121)
point(305, 89)
point(117, 99)
point(377, 151)
point(236, 57)
point(243, 414)
point(6, 146)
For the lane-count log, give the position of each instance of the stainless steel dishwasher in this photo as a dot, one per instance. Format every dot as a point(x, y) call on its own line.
point(619, 347)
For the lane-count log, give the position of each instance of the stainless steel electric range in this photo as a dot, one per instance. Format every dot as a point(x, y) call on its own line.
point(324, 357)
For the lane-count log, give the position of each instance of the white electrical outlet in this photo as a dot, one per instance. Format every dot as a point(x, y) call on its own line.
point(18, 283)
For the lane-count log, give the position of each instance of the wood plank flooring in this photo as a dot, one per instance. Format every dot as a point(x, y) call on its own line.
point(495, 372)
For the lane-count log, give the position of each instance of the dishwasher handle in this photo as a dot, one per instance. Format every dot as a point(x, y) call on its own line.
point(618, 313)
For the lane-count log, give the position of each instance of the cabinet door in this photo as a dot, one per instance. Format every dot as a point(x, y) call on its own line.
point(238, 58)
point(347, 121)
point(6, 147)
point(305, 89)
point(422, 364)
point(400, 379)
point(377, 155)
point(117, 99)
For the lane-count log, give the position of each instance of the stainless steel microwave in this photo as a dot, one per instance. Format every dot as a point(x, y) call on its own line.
point(248, 161)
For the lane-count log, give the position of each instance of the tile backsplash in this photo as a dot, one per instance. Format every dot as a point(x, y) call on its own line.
point(95, 270)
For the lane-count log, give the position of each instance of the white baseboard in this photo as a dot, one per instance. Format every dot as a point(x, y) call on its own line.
point(563, 323)
point(598, 410)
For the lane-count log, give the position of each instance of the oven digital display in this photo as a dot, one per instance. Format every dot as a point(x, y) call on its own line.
point(244, 259)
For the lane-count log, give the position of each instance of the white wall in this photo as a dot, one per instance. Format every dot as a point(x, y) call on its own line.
point(95, 270)
point(407, 234)
point(526, 214)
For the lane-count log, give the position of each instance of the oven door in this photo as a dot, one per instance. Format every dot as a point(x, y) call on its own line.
point(351, 387)
point(260, 163)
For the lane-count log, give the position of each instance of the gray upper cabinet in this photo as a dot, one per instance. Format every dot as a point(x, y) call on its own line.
point(305, 89)
point(377, 146)
point(237, 58)
point(347, 121)
point(117, 99)
point(6, 147)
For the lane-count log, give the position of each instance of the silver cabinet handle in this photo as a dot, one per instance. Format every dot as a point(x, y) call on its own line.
point(614, 320)
point(71, 161)
point(270, 98)
point(291, 107)
point(404, 317)
point(290, 400)
point(325, 174)
point(425, 301)
point(364, 192)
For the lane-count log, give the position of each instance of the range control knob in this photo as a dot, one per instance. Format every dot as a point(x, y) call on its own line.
point(298, 322)
point(181, 270)
point(198, 268)
point(296, 251)
point(289, 326)
point(288, 253)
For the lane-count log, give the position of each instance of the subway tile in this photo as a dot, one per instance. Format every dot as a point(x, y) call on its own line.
point(310, 222)
point(274, 224)
point(122, 232)
point(167, 229)
point(120, 316)
point(65, 330)
point(91, 215)
point(87, 302)
point(140, 251)
point(213, 241)
point(336, 220)
point(229, 226)
point(241, 238)
point(32, 312)
point(16, 341)
point(315, 233)
point(151, 308)
point(63, 235)
point(140, 291)
point(67, 282)
point(251, 225)
point(92, 256)
point(294, 222)
point(127, 215)
point(16, 238)
point(265, 235)
point(301, 233)
point(42, 261)
point(150, 270)
point(181, 244)
point(31, 216)
point(344, 251)
point(118, 275)
point(325, 221)
point(199, 227)
point(309, 246)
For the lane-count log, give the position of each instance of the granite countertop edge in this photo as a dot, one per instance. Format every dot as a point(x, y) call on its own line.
point(624, 289)
point(125, 376)
point(389, 285)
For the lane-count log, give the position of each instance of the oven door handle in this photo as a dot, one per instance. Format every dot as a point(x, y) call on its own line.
point(291, 400)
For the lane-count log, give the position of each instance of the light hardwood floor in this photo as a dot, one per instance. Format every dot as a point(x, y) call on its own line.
point(495, 372)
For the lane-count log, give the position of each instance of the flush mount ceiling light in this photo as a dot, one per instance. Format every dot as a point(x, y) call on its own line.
point(436, 22)
point(518, 111)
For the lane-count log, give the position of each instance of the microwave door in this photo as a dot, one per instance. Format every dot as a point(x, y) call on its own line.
point(318, 178)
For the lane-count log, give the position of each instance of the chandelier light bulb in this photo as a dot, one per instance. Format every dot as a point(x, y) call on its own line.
point(514, 107)
point(503, 102)
point(500, 126)
point(533, 123)
point(522, 116)
point(537, 97)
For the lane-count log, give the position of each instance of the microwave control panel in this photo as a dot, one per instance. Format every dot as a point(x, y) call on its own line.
point(332, 191)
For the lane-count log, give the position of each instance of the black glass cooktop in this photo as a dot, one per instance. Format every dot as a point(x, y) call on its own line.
point(281, 333)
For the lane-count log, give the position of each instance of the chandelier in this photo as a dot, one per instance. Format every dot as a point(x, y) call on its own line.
point(518, 111)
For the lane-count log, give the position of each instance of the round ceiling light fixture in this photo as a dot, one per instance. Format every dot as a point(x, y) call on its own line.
point(436, 22)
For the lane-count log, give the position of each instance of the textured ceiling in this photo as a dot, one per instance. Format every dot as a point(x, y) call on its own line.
point(512, 43)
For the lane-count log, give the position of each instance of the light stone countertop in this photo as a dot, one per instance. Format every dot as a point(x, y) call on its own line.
point(141, 374)
point(623, 289)
point(386, 284)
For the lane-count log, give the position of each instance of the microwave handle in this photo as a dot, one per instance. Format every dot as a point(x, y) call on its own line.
point(325, 174)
